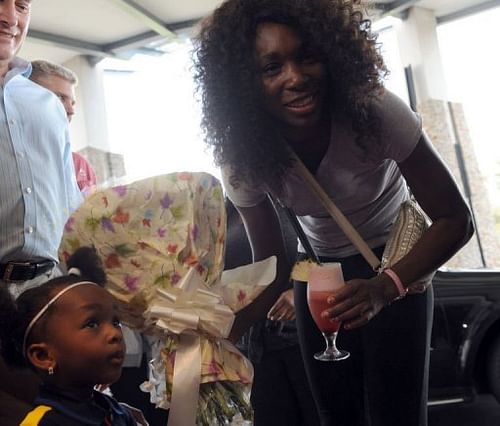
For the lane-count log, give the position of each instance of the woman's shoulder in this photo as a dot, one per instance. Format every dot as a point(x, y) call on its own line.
point(400, 127)
point(388, 101)
point(241, 193)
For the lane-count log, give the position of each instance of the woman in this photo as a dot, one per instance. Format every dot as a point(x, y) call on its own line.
point(305, 76)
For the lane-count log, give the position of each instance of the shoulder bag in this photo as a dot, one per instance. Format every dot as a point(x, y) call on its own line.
point(411, 223)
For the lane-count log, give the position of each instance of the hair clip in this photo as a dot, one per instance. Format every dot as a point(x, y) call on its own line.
point(75, 271)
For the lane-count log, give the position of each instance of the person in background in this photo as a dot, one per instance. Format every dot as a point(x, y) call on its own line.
point(38, 189)
point(281, 79)
point(62, 82)
point(280, 383)
point(68, 331)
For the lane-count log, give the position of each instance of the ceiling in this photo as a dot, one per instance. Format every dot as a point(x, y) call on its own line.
point(60, 30)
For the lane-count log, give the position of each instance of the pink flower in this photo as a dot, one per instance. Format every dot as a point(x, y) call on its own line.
point(242, 296)
point(175, 278)
point(185, 176)
point(69, 224)
point(213, 368)
point(131, 283)
point(172, 249)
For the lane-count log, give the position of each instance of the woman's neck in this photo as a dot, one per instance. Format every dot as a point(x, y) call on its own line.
point(311, 144)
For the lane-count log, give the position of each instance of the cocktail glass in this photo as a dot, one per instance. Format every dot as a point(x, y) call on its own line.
point(323, 280)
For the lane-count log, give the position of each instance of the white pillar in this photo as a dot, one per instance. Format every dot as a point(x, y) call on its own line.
point(419, 48)
point(89, 128)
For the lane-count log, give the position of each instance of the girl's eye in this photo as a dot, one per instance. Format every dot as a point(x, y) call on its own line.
point(117, 323)
point(91, 323)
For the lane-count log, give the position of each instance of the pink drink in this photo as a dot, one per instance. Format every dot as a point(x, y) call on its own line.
point(323, 281)
point(317, 304)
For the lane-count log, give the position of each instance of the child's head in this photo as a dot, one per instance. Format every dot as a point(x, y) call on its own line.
point(67, 329)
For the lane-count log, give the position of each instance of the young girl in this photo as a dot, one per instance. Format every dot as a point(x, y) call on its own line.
point(67, 330)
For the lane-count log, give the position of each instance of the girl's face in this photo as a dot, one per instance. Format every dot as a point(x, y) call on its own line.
point(293, 78)
point(85, 338)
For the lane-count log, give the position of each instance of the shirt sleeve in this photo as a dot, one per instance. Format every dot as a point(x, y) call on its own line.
point(74, 195)
point(245, 195)
point(401, 128)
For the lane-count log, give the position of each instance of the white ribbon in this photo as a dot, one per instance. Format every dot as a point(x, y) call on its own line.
point(190, 308)
point(186, 381)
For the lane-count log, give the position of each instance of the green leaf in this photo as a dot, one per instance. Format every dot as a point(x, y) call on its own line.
point(123, 250)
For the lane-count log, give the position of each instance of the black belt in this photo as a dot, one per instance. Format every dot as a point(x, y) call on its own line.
point(23, 271)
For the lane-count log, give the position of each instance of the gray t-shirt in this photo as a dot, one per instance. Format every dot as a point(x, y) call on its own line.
point(366, 186)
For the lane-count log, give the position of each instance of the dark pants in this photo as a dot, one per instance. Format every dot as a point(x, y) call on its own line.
point(280, 393)
point(385, 380)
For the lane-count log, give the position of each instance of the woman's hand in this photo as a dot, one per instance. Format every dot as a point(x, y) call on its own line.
point(360, 300)
point(284, 308)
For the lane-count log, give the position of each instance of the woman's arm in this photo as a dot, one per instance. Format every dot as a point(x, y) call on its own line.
point(264, 233)
point(437, 193)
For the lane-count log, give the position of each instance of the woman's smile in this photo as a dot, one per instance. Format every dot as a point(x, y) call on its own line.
point(303, 104)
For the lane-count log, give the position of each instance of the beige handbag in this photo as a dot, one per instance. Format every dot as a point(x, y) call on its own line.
point(410, 225)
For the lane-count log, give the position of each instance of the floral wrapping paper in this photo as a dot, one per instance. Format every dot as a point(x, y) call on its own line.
point(162, 242)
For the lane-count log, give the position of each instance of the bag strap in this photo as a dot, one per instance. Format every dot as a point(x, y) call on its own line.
point(336, 214)
point(292, 218)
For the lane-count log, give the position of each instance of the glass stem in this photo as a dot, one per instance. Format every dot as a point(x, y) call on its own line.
point(331, 346)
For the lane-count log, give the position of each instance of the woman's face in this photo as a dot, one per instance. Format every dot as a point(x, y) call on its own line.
point(293, 78)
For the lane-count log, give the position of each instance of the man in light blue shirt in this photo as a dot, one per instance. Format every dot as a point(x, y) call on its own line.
point(38, 189)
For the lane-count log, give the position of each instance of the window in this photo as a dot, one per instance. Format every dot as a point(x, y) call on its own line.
point(153, 117)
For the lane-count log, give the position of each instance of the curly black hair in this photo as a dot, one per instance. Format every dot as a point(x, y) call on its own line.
point(15, 315)
point(237, 129)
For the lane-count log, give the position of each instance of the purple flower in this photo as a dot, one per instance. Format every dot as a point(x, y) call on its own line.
point(121, 190)
point(195, 232)
point(107, 224)
point(166, 201)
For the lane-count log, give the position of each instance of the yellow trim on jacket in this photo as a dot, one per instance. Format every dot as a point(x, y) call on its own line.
point(33, 418)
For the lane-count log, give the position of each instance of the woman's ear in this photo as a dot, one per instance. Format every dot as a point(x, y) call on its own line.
point(40, 356)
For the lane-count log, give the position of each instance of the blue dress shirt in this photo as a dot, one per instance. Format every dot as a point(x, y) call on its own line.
point(38, 189)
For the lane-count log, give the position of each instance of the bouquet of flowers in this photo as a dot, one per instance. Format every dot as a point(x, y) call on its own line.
point(162, 242)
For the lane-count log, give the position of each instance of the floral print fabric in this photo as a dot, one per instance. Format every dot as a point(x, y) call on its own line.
point(150, 233)
point(153, 235)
